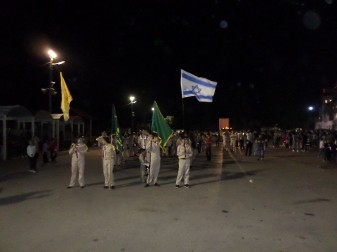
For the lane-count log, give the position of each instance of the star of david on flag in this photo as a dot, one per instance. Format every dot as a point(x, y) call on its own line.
point(202, 88)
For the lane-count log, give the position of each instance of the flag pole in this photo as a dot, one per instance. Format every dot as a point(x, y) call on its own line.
point(183, 112)
point(112, 124)
point(182, 100)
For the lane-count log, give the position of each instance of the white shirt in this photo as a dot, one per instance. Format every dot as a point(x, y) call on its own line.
point(108, 152)
point(78, 150)
point(154, 149)
point(31, 150)
point(184, 151)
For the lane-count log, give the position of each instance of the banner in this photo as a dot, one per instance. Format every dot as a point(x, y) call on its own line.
point(66, 98)
point(160, 126)
point(191, 85)
point(115, 130)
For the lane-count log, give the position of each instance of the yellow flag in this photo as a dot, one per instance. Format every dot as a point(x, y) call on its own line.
point(66, 99)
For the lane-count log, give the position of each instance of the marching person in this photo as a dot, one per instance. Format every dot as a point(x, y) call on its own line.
point(153, 147)
point(77, 151)
point(103, 134)
point(184, 153)
point(108, 159)
point(143, 139)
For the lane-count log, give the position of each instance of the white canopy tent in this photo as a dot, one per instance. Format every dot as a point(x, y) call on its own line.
point(42, 123)
point(13, 113)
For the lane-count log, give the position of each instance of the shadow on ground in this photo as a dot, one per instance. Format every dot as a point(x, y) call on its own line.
point(24, 196)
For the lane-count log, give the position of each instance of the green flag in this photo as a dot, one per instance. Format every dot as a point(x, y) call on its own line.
point(160, 126)
point(115, 130)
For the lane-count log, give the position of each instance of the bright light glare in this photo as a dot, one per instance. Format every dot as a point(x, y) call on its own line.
point(132, 98)
point(59, 63)
point(52, 54)
point(310, 108)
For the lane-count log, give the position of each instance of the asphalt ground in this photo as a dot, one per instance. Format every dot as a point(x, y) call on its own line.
point(287, 202)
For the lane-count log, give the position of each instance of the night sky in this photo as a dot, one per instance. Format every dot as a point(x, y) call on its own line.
point(271, 59)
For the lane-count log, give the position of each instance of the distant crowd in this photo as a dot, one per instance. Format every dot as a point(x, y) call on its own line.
point(183, 145)
point(296, 140)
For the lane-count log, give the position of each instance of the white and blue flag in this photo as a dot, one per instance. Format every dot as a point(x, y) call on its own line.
point(201, 88)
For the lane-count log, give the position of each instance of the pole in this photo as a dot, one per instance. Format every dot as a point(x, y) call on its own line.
point(132, 117)
point(183, 112)
point(4, 138)
point(50, 85)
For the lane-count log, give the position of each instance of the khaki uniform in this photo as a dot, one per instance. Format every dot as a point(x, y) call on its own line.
point(108, 157)
point(154, 149)
point(184, 153)
point(77, 152)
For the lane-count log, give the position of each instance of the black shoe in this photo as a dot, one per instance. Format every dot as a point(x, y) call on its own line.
point(69, 187)
point(186, 186)
point(177, 186)
point(105, 187)
point(112, 187)
point(82, 187)
point(146, 185)
point(156, 184)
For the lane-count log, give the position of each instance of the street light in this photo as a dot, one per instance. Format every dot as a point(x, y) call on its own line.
point(51, 91)
point(312, 116)
point(132, 101)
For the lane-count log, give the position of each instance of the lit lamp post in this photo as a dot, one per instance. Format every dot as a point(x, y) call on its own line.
point(132, 101)
point(51, 91)
point(311, 110)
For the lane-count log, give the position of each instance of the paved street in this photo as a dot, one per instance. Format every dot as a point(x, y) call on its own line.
point(286, 202)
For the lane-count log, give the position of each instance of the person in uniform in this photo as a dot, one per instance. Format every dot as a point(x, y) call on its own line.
point(77, 151)
point(143, 139)
point(184, 153)
point(103, 134)
point(108, 159)
point(153, 148)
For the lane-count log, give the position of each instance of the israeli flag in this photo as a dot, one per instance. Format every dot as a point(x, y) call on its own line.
point(201, 88)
